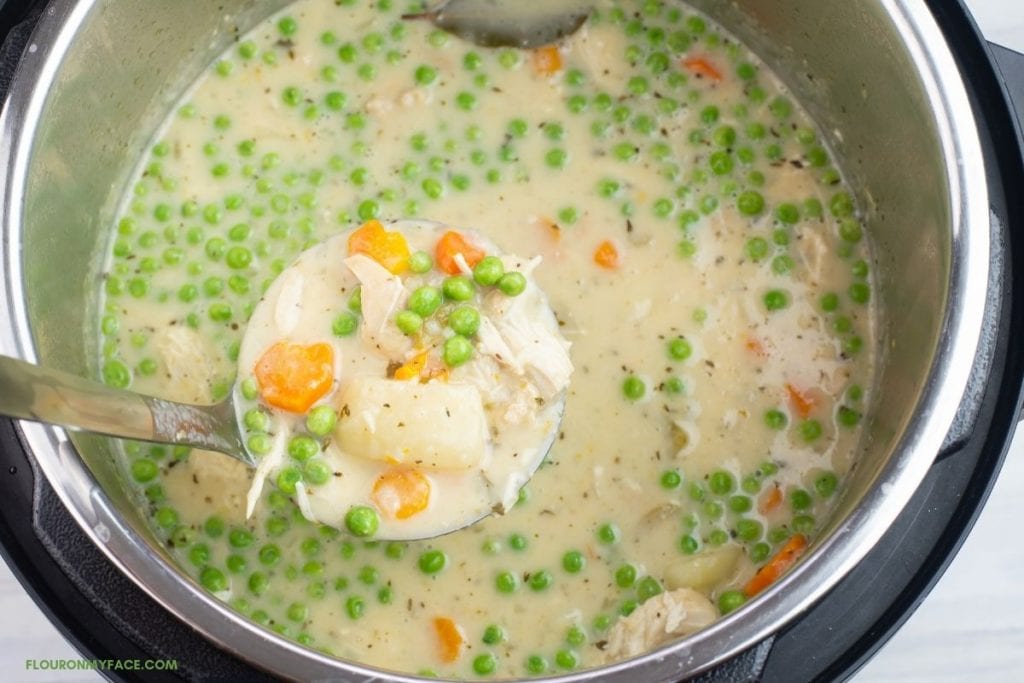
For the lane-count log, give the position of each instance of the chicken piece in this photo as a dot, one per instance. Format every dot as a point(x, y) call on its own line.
point(435, 425)
point(213, 483)
point(382, 295)
point(705, 570)
point(521, 333)
point(662, 618)
point(190, 364)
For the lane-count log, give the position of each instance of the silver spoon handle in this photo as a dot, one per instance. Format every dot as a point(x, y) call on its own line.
point(41, 394)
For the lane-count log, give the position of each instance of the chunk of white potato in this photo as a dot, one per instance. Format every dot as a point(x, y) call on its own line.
point(436, 425)
point(662, 618)
point(704, 571)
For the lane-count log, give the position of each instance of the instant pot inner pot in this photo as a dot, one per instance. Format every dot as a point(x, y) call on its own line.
point(128, 62)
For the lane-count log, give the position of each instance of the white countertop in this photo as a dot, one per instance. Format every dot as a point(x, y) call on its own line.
point(970, 628)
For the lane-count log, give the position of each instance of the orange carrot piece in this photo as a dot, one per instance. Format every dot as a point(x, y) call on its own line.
point(702, 68)
point(547, 60)
point(607, 255)
point(386, 248)
point(755, 346)
point(770, 500)
point(401, 493)
point(451, 244)
point(293, 377)
point(412, 368)
point(451, 639)
point(776, 566)
point(802, 402)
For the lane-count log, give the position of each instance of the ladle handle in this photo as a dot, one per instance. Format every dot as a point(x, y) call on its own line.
point(41, 394)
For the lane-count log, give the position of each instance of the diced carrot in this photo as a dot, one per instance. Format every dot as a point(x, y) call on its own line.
point(293, 377)
point(776, 566)
point(551, 228)
point(802, 402)
point(770, 500)
point(451, 639)
point(547, 60)
point(754, 345)
point(607, 255)
point(412, 368)
point(452, 244)
point(386, 248)
point(702, 68)
point(401, 493)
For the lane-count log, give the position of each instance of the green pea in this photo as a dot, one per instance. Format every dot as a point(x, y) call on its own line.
point(625, 576)
point(199, 554)
point(810, 430)
point(800, 499)
point(144, 470)
point(750, 203)
point(566, 659)
point(776, 299)
point(671, 479)
point(848, 417)
point(721, 482)
point(535, 664)
point(506, 582)
point(240, 538)
point(540, 580)
point(608, 534)
point(512, 283)
point(573, 561)
point(674, 385)
point(859, 292)
point(458, 288)
point(116, 374)
point(269, 554)
point(689, 545)
point(432, 561)
point(493, 635)
point(424, 301)
point(488, 271)
point(362, 521)
point(166, 517)
point(731, 600)
point(321, 420)
point(803, 524)
point(464, 320)
point(680, 349)
point(749, 530)
point(259, 444)
point(825, 484)
point(213, 580)
point(317, 472)
point(302, 448)
point(425, 74)
point(344, 325)
point(740, 504)
point(841, 205)
point(409, 322)
point(647, 588)
point(420, 262)
point(633, 388)
point(457, 350)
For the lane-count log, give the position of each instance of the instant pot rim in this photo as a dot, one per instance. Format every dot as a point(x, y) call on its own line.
point(831, 558)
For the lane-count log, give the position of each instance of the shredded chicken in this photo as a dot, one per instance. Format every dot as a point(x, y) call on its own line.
point(382, 295)
point(516, 334)
point(662, 618)
point(189, 364)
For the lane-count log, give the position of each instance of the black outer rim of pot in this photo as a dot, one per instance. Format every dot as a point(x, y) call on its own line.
point(107, 617)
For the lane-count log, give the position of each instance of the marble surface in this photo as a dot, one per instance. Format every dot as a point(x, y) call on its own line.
point(968, 629)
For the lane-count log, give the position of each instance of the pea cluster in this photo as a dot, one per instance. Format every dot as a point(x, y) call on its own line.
point(449, 302)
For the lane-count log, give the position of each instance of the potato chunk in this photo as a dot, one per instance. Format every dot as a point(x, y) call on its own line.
point(436, 425)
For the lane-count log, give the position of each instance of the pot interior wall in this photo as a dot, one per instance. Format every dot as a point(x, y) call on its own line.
point(845, 61)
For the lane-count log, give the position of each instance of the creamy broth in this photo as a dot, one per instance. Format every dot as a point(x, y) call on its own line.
point(699, 250)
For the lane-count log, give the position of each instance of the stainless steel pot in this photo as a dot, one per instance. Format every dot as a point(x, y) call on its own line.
point(877, 74)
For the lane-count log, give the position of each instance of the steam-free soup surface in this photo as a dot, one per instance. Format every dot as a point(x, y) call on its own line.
point(697, 244)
